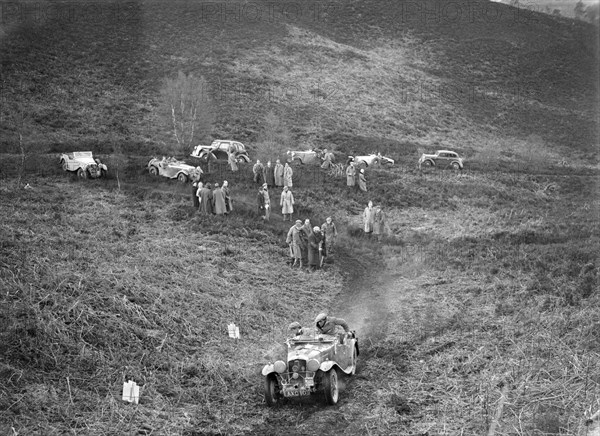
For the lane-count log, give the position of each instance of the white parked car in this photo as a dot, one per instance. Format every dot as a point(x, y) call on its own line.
point(84, 164)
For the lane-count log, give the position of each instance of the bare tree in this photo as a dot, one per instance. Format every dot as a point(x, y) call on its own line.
point(190, 113)
point(274, 138)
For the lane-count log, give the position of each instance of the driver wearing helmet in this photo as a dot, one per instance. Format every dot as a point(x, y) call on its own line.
point(295, 329)
point(327, 324)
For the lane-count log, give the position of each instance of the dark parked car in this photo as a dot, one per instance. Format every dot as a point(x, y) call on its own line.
point(220, 150)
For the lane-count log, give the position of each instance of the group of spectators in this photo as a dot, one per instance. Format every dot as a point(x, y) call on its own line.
point(374, 221)
point(277, 175)
point(309, 246)
point(286, 201)
point(212, 200)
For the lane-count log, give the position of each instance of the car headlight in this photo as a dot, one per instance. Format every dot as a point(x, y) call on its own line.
point(312, 365)
point(279, 366)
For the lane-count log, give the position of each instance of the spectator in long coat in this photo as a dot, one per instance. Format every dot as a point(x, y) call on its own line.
point(232, 161)
point(219, 200)
point(329, 232)
point(260, 200)
point(362, 181)
point(206, 200)
point(315, 240)
point(351, 174)
point(287, 204)
point(227, 194)
point(305, 232)
point(199, 187)
point(378, 223)
point(294, 240)
point(269, 175)
point(368, 218)
point(278, 173)
point(287, 175)
point(267, 202)
point(258, 169)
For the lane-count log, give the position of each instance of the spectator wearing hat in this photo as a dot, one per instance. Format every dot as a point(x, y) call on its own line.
point(294, 240)
point(378, 223)
point(227, 194)
point(351, 175)
point(206, 200)
point(269, 174)
point(278, 173)
point(257, 170)
point(329, 232)
point(287, 175)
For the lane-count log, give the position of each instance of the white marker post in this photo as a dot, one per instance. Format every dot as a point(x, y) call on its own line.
point(131, 392)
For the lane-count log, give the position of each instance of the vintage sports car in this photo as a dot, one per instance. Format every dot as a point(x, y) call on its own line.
point(314, 363)
point(171, 168)
point(84, 163)
point(220, 150)
point(371, 160)
point(305, 157)
point(441, 159)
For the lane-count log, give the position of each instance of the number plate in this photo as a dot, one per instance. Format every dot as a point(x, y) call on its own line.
point(296, 392)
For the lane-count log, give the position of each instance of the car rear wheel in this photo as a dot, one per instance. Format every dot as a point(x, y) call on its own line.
point(272, 390)
point(330, 386)
point(82, 174)
point(427, 163)
point(153, 171)
point(181, 177)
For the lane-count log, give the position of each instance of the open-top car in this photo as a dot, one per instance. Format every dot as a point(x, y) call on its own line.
point(305, 157)
point(171, 168)
point(84, 163)
point(371, 160)
point(220, 149)
point(442, 159)
point(313, 365)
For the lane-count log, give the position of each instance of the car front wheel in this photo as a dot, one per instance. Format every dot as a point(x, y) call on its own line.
point(182, 177)
point(82, 174)
point(272, 391)
point(427, 163)
point(331, 387)
point(455, 166)
point(153, 171)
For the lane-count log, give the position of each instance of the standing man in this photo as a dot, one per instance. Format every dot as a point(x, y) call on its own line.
point(329, 232)
point(267, 202)
point(219, 200)
point(269, 175)
point(362, 181)
point(206, 200)
point(351, 175)
point(278, 173)
point(294, 240)
point(287, 204)
point(315, 240)
point(287, 175)
point(305, 232)
point(232, 161)
point(258, 169)
point(368, 218)
point(199, 193)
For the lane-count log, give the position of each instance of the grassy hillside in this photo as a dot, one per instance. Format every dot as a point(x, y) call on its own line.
point(477, 313)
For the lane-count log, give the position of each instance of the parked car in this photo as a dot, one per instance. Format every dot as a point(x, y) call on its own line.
point(313, 365)
point(171, 168)
point(84, 164)
point(305, 157)
point(220, 150)
point(372, 159)
point(441, 159)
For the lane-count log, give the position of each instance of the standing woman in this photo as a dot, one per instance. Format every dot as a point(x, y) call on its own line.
point(219, 200)
point(287, 204)
point(232, 161)
point(362, 181)
point(287, 175)
point(378, 223)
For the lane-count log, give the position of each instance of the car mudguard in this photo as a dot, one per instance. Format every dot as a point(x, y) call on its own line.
point(268, 369)
point(327, 365)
